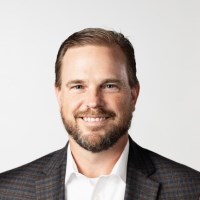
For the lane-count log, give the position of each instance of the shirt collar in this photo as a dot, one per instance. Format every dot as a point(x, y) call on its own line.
point(71, 167)
point(119, 169)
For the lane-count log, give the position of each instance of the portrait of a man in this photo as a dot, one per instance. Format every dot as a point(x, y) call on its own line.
point(97, 89)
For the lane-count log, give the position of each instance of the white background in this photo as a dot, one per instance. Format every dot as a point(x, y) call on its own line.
point(165, 35)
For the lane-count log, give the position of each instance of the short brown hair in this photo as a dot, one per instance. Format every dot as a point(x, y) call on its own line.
point(98, 36)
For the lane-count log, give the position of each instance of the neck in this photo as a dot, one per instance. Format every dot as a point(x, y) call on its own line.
point(95, 164)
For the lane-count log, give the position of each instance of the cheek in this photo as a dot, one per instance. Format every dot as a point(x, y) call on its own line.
point(116, 103)
point(70, 104)
point(124, 104)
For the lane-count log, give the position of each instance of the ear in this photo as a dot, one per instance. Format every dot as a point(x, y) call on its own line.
point(58, 95)
point(134, 95)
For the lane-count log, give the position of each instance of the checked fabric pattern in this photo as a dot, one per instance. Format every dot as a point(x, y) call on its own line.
point(149, 177)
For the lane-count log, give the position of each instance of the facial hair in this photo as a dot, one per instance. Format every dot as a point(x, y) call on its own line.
point(95, 142)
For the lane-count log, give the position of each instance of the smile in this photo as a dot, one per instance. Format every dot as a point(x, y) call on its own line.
point(94, 119)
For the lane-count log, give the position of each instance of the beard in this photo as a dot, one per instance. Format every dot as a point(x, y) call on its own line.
point(93, 141)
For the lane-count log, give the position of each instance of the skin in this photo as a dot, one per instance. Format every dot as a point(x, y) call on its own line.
point(95, 77)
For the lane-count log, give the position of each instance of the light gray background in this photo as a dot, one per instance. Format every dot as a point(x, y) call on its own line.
point(165, 35)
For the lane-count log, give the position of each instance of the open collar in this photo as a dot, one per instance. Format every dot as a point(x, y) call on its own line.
point(139, 184)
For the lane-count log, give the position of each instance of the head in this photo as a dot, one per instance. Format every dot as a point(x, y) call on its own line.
point(102, 37)
point(96, 87)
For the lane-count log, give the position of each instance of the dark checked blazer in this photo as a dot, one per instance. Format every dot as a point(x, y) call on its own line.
point(149, 177)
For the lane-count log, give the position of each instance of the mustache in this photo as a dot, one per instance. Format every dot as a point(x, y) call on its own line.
point(100, 112)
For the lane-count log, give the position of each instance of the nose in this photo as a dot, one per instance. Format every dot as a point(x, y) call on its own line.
point(93, 99)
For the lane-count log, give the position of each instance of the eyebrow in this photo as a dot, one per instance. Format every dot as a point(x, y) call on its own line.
point(112, 81)
point(108, 80)
point(72, 82)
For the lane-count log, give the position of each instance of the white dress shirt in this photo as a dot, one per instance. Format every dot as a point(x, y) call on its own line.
point(104, 187)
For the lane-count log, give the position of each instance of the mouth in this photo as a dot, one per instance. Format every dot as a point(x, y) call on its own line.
point(94, 123)
point(94, 119)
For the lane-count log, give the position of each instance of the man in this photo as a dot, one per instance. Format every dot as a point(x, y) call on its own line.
point(97, 89)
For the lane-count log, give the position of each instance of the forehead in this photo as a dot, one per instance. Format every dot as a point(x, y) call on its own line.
point(93, 60)
point(112, 51)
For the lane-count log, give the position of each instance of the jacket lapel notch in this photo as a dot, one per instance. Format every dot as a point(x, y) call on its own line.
point(139, 186)
point(51, 185)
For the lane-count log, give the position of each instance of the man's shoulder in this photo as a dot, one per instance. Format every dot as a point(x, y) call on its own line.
point(165, 165)
point(161, 164)
point(23, 178)
point(174, 177)
point(34, 168)
point(175, 180)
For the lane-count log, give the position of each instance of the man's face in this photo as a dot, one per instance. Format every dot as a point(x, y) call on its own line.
point(95, 98)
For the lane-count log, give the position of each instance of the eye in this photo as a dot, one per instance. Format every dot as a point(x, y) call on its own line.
point(77, 87)
point(111, 87)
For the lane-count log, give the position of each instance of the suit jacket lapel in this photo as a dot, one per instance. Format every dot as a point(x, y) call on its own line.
point(139, 185)
point(52, 182)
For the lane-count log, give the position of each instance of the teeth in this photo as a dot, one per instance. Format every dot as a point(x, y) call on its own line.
point(93, 119)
